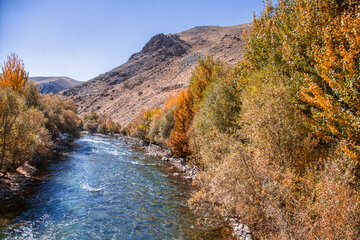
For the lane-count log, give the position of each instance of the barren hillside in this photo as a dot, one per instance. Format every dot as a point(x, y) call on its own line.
point(161, 68)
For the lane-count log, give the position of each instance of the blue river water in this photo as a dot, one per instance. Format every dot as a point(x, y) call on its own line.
point(103, 190)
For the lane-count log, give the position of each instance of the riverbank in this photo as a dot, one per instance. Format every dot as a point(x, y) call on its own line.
point(13, 182)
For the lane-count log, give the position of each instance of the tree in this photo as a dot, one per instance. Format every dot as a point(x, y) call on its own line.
point(335, 98)
point(22, 131)
point(189, 101)
point(183, 116)
point(206, 71)
point(14, 76)
point(10, 108)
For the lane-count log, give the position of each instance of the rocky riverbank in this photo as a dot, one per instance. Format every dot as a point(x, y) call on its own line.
point(188, 171)
point(13, 182)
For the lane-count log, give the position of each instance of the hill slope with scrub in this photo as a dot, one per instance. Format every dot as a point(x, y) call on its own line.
point(161, 68)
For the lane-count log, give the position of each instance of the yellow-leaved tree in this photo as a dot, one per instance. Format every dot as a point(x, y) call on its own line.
point(206, 71)
point(335, 98)
point(13, 75)
point(183, 116)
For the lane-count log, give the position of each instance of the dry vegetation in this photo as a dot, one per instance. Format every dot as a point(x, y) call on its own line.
point(28, 120)
point(94, 123)
point(277, 136)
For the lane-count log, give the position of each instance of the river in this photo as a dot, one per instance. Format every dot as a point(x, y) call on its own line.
point(103, 190)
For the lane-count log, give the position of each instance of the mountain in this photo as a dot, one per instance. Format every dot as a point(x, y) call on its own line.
point(161, 68)
point(54, 84)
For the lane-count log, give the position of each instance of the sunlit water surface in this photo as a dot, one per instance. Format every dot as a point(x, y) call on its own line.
point(102, 190)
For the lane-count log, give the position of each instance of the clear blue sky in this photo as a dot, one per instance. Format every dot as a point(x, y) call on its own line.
point(83, 38)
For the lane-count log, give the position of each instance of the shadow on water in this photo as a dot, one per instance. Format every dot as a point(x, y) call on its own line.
point(103, 190)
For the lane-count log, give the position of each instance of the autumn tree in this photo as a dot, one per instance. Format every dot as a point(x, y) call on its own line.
point(335, 99)
point(22, 132)
point(206, 71)
point(13, 75)
point(183, 116)
point(316, 45)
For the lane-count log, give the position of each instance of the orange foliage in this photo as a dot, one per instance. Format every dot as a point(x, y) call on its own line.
point(189, 100)
point(336, 98)
point(205, 72)
point(183, 116)
point(14, 75)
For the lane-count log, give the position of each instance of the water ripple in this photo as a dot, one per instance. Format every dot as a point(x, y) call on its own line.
point(105, 191)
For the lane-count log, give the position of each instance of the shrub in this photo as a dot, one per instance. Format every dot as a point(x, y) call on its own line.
point(91, 117)
point(162, 123)
point(336, 206)
point(92, 122)
point(140, 126)
point(274, 124)
point(218, 113)
point(166, 123)
point(22, 132)
point(282, 172)
point(136, 127)
point(91, 126)
point(60, 116)
point(161, 126)
point(32, 95)
point(261, 174)
point(113, 127)
point(102, 128)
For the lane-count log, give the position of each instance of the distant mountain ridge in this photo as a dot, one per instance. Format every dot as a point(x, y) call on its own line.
point(53, 84)
point(161, 68)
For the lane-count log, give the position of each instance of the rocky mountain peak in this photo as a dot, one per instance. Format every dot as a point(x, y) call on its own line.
point(170, 45)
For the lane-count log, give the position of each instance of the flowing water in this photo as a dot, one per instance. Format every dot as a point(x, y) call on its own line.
point(102, 190)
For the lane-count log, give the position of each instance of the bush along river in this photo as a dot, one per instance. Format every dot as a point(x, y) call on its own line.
point(103, 190)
